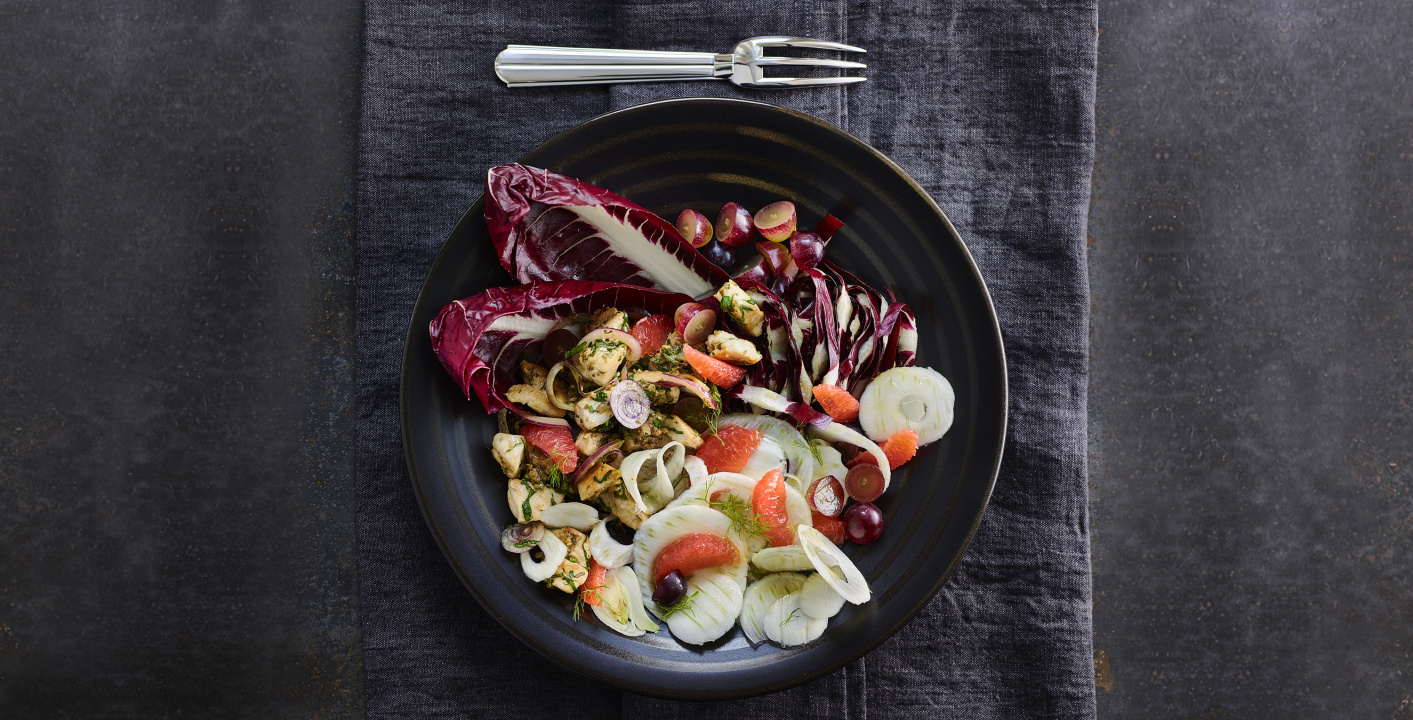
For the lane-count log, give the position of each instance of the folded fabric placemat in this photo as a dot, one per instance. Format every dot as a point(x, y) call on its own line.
point(989, 106)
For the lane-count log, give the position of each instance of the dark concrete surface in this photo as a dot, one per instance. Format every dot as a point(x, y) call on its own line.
point(1251, 264)
point(176, 486)
point(176, 343)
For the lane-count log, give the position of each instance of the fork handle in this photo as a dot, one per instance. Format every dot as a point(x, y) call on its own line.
point(526, 65)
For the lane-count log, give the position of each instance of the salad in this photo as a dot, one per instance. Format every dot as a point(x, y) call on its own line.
point(690, 428)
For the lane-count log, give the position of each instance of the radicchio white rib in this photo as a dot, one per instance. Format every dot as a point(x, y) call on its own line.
point(775, 402)
point(480, 339)
point(549, 227)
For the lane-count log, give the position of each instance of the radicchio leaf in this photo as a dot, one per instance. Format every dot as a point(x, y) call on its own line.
point(775, 402)
point(479, 339)
point(549, 227)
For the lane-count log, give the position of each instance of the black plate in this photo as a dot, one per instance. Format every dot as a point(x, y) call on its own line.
point(702, 153)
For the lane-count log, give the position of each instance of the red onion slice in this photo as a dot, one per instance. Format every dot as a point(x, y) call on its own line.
point(604, 451)
point(630, 404)
point(686, 382)
point(549, 384)
point(635, 349)
point(539, 419)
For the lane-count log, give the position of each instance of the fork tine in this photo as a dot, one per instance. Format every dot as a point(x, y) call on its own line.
point(805, 43)
point(806, 62)
point(804, 82)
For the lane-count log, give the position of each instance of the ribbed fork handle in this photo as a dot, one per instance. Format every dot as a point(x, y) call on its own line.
point(521, 65)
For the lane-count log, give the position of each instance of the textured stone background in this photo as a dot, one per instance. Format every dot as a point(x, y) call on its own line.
point(1251, 265)
point(175, 360)
point(176, 342)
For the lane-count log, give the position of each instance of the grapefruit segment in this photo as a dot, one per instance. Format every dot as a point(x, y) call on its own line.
point(837, 401)
point(722, 374)
point(557, 442)
point(728, 449)
point(768, 503)
point(651, 332)
point(693, 552)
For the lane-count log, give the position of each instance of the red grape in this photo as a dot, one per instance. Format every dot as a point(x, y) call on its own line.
point(671, 589)
point(776, 221)
point(694, 227)
point(864, 482)
point(826, 496)
point(807, 248)
point(775, 254)
point(734, 225)
point(719, 255)
point(863, 522)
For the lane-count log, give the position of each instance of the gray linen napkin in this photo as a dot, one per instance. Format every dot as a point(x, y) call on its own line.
point(990, 106)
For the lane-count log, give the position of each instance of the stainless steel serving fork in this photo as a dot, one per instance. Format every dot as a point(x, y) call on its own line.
point(534, 65)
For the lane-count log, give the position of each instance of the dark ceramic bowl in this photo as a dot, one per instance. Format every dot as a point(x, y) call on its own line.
point(702, 153)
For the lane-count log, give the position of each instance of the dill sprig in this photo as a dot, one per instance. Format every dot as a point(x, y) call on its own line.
point(710, 418)
point(813, 450)
point(558, 480)
point(683, 605)
point(742, 519)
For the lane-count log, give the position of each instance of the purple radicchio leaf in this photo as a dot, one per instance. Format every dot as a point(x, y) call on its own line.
point(886, 335)
point(783, 368)
point(549, 227)
point(480, 339)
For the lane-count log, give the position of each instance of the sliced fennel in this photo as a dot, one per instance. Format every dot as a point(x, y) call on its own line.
point(577, 515)
point(831, 462)
point(713, 604)
point(555, 552)
point(799, 458)
point(649, 475)
point(768, 456)
point(786, 624)
point(907, 397)
point(621, 604)
point(660, 530)
point(833, 565)
point(760, 596)
point(606, 551)
point(788, 558)
point(819, 600)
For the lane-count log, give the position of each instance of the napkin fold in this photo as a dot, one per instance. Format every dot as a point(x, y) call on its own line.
point(989, 106)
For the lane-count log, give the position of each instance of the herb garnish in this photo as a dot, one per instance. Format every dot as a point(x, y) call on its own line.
point(742, 519)
point(525, 508)
point(814, 450)
point(580, 602)
point(558, 480)
point(683, 605)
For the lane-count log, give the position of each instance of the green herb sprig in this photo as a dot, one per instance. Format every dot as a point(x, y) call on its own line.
point(683, 605)
point(558, 480)
point(742, 519)
point(813, 450)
